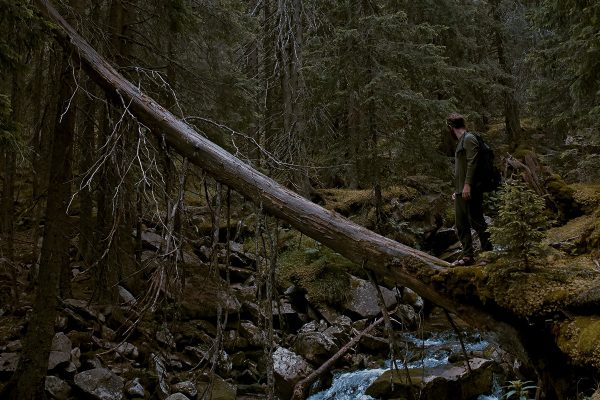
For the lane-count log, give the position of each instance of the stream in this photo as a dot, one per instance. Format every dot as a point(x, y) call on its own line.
point(418, 353)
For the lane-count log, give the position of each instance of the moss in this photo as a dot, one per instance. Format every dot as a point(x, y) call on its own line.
point(579, 339)
point(322, 273)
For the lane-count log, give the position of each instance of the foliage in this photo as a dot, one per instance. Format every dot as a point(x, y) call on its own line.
point(518, 390)
point(519, 227)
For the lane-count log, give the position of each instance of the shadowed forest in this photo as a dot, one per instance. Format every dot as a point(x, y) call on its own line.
point(234, 199)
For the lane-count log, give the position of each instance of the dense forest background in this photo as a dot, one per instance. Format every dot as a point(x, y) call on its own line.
point(350, 94)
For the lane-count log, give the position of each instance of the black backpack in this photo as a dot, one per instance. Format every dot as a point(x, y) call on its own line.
point(487, 176)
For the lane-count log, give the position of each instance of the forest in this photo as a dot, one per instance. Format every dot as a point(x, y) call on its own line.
point(253, 199)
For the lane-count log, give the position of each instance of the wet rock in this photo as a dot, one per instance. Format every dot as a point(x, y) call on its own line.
point(60, 352)
point(316, 347)
point(363, 298)
point(57, 388)
point(134, 388)
point(289, 369)
point(186, 387)
point(100, 384)
point(8, 364)
point(374, 344)
point(446, 382)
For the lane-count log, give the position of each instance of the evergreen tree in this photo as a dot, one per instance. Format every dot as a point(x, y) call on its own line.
point(519, 227)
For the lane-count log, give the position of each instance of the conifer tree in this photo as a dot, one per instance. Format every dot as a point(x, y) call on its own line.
point(519, 227)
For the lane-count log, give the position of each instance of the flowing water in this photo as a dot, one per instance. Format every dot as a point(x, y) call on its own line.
point(418, 353)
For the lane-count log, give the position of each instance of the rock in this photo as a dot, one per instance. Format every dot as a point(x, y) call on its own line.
point(57, 388)
point(165, 337)
point(134, 388)
point(363, 298)
point(202, 295)
point(126, 297)
point(221, 390)
point(374, 344)
point(8, 364)
point(158, 363)
point(596, 395)
point(252, 333)
point(177, 396)
point(14, 346)
point(289, 369)
point(316, 347)
point(100, 384)
point(151, 240)
point(412, 299)
point(407, 316)
point(60, 352)
point(186, 387)
point(128, 350)
point(446, 382)
point(75, 357)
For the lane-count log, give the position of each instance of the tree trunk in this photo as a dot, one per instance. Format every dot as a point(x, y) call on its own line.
point(389, 260)
point(28, 380)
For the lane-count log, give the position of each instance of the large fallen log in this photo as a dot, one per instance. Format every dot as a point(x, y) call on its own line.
point(388, 259)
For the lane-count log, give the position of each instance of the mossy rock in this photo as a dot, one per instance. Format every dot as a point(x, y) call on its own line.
point(578, 338)
point(563, 196)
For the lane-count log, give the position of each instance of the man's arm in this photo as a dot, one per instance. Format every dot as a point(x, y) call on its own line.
point(471, 146)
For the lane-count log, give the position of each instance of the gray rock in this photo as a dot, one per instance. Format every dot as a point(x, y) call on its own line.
point(8, 364)
point(100, 384)
point(126, 297)
point(316, 347)
point(75, 357)
point(14, 346)
point(252, 333)
point(363, 298)
point(161, 374)
point(412, 299)
point(152, 240)
point(134, 388)
point(57, 388)
point(407, 316)
point(186, 387)
point(289, 368)
point(128, 350)
point(221, 390)
point(177, 396)
point(165, 337)
point(60, 352)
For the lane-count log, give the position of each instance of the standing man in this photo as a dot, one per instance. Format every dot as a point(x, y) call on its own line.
point(468, 201)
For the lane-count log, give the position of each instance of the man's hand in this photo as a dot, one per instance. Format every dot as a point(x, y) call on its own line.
point(466, 192)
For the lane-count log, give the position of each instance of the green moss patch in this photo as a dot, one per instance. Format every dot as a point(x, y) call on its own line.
point(580, 340)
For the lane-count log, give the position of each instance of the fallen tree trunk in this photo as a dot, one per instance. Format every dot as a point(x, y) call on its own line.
point(389, 260)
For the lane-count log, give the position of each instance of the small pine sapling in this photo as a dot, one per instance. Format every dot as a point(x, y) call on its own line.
point(521, 222)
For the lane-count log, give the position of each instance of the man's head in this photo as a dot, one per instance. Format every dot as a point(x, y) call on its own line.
point(456, 124)
point(455, 120)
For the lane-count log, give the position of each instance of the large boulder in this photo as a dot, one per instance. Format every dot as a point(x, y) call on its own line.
point(289, 369)
point(100, 384)
point(363, 298)
point(446, 382)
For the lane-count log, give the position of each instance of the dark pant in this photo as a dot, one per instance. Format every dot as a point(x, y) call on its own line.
point(469, 214)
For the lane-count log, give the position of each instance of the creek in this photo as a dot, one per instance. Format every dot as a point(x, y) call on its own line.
point(431, 352)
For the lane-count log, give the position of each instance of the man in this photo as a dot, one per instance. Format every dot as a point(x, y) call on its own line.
point(468, 201)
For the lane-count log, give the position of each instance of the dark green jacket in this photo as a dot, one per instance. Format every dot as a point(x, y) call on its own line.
point(465, 160)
